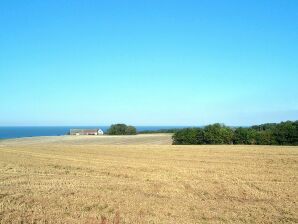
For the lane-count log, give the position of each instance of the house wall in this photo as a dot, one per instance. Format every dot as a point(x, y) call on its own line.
point(83, 132)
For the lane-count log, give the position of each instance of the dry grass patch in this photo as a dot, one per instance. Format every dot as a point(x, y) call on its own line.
point(140, 139)
point(63, 183)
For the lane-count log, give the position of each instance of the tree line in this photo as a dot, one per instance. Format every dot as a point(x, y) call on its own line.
point(164, 130)
point(284, 133)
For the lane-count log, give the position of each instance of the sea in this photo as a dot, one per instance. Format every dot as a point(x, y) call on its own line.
point(31, 131)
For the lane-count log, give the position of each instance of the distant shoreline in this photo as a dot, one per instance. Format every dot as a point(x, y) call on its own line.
point(35, 131)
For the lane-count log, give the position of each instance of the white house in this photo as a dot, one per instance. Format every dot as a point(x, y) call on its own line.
point(86, 132)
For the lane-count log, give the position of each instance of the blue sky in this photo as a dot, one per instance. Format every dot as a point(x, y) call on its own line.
point(148, 62)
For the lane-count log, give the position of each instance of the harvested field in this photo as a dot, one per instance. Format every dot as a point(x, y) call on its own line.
point(141, 139)
point(68, 183)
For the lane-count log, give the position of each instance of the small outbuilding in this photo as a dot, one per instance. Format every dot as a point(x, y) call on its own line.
point(77, 131)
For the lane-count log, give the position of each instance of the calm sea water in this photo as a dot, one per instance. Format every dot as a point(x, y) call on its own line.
point(17, 132)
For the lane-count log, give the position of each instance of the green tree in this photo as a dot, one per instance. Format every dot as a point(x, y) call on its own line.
point(130, 130)
point(200, 136)
point(227, 135)
point(245, 136)
point(218, 134)
point(188, 136)
point(265, 138)
point(184, 136)
point(286, 133)
point(121, 129)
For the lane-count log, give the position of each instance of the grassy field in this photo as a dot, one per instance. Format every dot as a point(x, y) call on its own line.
point(94, 183)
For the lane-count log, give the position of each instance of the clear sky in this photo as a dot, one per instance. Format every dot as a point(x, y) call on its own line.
point(157, 62)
